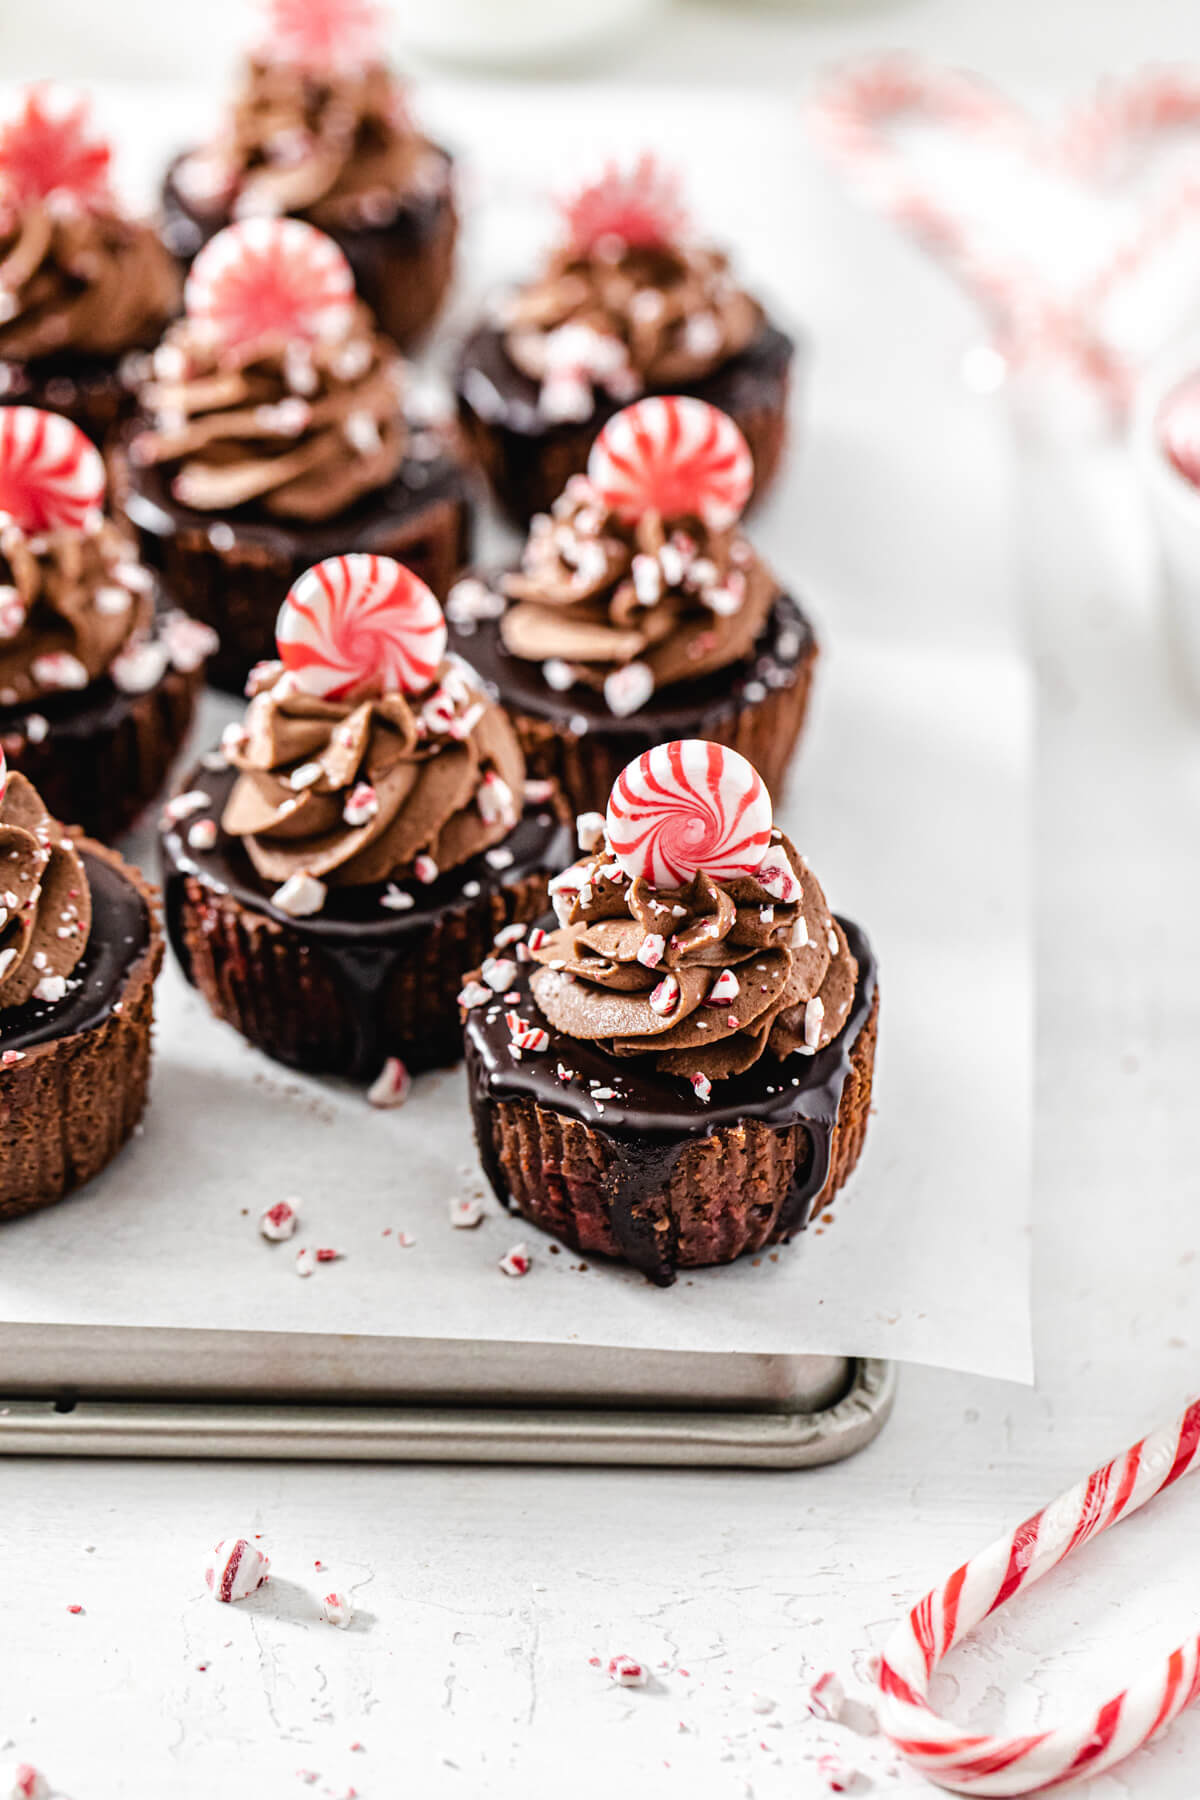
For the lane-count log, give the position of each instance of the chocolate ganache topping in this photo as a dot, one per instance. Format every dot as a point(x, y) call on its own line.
point(705, 979)
point(631, 608)
point(372, 787)
point(337, 146)
point(76, 275)
point(627, 304)
point(45, 902)
point(301, 429)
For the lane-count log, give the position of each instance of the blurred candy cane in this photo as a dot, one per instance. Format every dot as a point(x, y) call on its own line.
point(972, 1763)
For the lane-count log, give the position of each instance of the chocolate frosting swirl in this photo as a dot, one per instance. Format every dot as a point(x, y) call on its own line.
point(622, 319)
point(302, 431)
point(80, 280)
point(675, 598)
point(45, 902)
point(705, 980)
point(337, 148)
point(70, 603)
point(355, 791)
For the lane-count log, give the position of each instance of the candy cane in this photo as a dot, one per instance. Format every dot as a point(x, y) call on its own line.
point(972, 1763)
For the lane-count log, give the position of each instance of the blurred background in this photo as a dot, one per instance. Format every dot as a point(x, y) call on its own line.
point(769, 42)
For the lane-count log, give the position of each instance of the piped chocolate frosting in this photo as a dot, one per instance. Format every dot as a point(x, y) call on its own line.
point(45, 901)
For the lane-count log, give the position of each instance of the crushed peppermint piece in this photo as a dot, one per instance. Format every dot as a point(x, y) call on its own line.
point(21, 1781)
point(837, 1775)
point(775, 874)
point(589, 829)
point(425, 869)
point(10, 1057)
point(724, 989)
point(524, 1035)
point(652, 949)
point(665, 997)
point(499, 973)
point(235, 1569)
point(499, 858)
point(508, 934)
point(603, 1093)
point(139, 667)
point(702, 1085)
point(396, 899)
point(300, 896)
point(827, 1697)
point(814, 1019)
point(471, 890)
point(337, 1609)
point(626, 1671)
point(202, 835)
point(495, 800)
point(627, 690)
point(392, 1085)
point(279, 1221)
point(536, 938)
point(327, 1255)
point(474, 994)
point(466, 1214)
point(37, 727)
point(306, 776)
point(557, 674)
point(306, 1262)
point(51, 989)
point(538, 792)
point(59, 669)
point(471, 600)
point(362, 804)
point(518, 1260)
point(182, 806)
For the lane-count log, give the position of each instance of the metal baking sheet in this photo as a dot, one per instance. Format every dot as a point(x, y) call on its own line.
point(769, 1438)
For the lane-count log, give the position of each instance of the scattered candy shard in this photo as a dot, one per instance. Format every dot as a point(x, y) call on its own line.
point(235, 1568)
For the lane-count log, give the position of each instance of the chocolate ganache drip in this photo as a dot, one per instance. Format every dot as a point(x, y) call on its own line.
point(705, 979)
point(45, 902)
point(374, 788)
point(335, 146)
point(631, 608)
point(301, 429)
point(627, 304)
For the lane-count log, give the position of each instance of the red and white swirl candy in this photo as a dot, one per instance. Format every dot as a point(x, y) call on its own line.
point(270, 281)
point(323, 34)
point(675, 456)
point(687, 806)
point(48, 149)
point(973, 1762)
point(358, 623)
point(51, 476)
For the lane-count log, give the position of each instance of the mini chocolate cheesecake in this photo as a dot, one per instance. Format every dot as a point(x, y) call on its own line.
point(78, 959)
point(679, 1070)
point(320, 129)
point(86, 287)
point(640, 612)
point(359, 840)
point(627, 305)
point(274, 434)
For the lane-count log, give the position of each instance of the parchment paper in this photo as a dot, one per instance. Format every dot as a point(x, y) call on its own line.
point(910, 799)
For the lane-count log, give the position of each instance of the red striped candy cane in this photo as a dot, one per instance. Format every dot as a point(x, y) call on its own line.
point(972, 1763)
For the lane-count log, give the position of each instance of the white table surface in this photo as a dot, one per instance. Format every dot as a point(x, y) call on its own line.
point(483, 1593)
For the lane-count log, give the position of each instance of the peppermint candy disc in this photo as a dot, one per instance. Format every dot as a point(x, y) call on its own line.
point(47, 148)
point(51, 476)
point(268, 279)
point(323, 34)
point(687, 806)
point(359, 621)
point(641, 209)
point(675, 456)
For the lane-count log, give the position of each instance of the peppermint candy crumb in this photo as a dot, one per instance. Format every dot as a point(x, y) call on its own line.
point(202, 835)
point(425, 869)
point(300, 896)
point(518, 1260)
point(499, 973)
point(396, 899)
point(538, 792)
point(827, 1697)
point(508, 934)
point(626, 1671)
point(337, 1609)
point(183, 806)
point(279, 1222)
point(306, 1262)
point(362, 805)
point(466, 1214)
point(392, 1085)
point(589, 829)
point(474, 993)
point(702, 1086)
